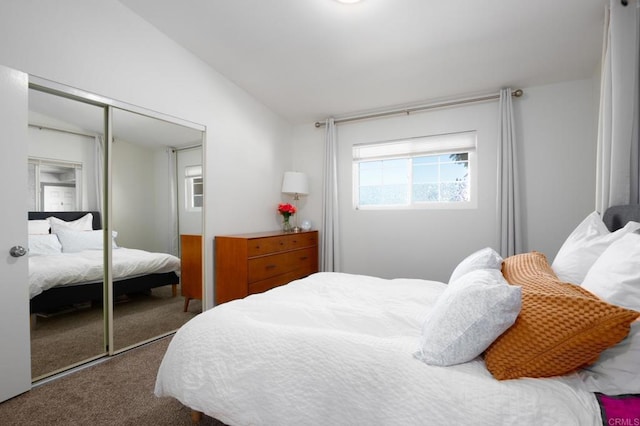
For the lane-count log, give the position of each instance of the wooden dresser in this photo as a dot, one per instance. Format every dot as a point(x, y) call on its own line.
point(253, 263)
point(191, 268)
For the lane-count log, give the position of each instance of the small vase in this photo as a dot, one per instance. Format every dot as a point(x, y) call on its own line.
point(286, 225)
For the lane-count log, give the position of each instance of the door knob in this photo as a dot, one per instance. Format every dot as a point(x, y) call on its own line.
point(17, 251)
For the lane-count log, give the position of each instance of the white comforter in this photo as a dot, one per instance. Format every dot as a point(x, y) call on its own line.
point(337, 349)
point(87, 266)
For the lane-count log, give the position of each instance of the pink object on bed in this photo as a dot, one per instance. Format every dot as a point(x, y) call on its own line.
point(620, 409)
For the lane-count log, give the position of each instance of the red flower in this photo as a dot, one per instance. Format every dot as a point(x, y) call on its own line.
point(286, 210)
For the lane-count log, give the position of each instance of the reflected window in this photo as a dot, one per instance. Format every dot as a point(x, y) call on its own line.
point(193, 188)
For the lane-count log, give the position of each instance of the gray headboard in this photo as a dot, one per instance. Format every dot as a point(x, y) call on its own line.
point(617, 216)
point(68, 216)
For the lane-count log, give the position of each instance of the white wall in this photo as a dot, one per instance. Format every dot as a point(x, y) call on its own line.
point(133, 200)
point(102, 47)
point(557, 128)
point(556, 133)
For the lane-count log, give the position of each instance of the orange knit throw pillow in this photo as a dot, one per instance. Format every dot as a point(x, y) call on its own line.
point(561, 326)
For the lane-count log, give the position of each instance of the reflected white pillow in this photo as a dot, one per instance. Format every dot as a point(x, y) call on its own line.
point(75, 241)
point(617, 371)
point(471, 313)
point(615, 275)
point(44, 244)
point(85, 223)
point(487, 258)
point(39, 227)
point(584, 245)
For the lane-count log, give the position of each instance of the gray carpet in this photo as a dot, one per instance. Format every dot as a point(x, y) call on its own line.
point(118, 391)
point(65, 338)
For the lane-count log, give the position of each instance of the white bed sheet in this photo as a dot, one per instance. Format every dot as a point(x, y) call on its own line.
point(87, 267)
point(338, 349)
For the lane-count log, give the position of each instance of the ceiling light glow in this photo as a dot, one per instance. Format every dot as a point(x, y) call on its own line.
point(348, 1)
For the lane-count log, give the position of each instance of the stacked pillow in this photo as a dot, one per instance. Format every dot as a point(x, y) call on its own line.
point(487, 258)
point(560, 327)
point(41, 242)
point(541, 326)
point(44, 244)
point(85, 223)
point(477, 306)
point(76, 241)
point(609, 268)
point(584, 246)
point(54, 236)
point(615, 275)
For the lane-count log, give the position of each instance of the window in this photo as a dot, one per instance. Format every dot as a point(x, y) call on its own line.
point(426, 172)
point(194, 188)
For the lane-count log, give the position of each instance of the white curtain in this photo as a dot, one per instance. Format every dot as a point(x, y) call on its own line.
point(80, 201)
point(98, 159)
point(509, 217)
point(330, 247)
point(173, 243)
point(617, 155)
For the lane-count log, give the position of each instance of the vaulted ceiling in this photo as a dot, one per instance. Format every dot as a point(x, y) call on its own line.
point(309, 59)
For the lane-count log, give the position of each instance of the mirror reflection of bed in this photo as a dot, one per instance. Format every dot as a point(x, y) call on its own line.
point(70, 322)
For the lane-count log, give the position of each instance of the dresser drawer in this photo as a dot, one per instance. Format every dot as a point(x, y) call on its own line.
point(303, 259)
point(302, 240)
point(262, 246)
point(269, 283)
point(264, 267)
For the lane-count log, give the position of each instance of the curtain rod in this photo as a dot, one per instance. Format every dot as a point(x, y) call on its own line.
point(516, 93)
point(55, 129)
point(184, 148)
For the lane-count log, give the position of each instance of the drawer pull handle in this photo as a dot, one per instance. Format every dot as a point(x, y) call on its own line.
point(270, 266)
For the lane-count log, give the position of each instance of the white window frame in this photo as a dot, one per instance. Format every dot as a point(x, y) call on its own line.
point(442, 144)
point(191, 173)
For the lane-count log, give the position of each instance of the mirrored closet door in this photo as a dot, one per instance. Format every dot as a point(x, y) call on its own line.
point(112, 188)
point(65, 154)
point(147, 205)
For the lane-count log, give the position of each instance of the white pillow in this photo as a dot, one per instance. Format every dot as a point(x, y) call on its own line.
point(617, 371)
point(471, 313)
point(615, 275)
point(487, 258)
point(85, 223)
point(44, 244)
point(75, 241)
point(584, 245)
point(39, 227)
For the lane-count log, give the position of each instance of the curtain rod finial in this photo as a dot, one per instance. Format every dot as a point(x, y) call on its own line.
point(517, 93)
point(318, 124)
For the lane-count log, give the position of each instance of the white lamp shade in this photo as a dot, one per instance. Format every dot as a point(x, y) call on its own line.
point(295, 183)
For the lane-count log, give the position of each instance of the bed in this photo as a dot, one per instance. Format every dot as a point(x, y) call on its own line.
point(345, 349)
point(62, 276)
